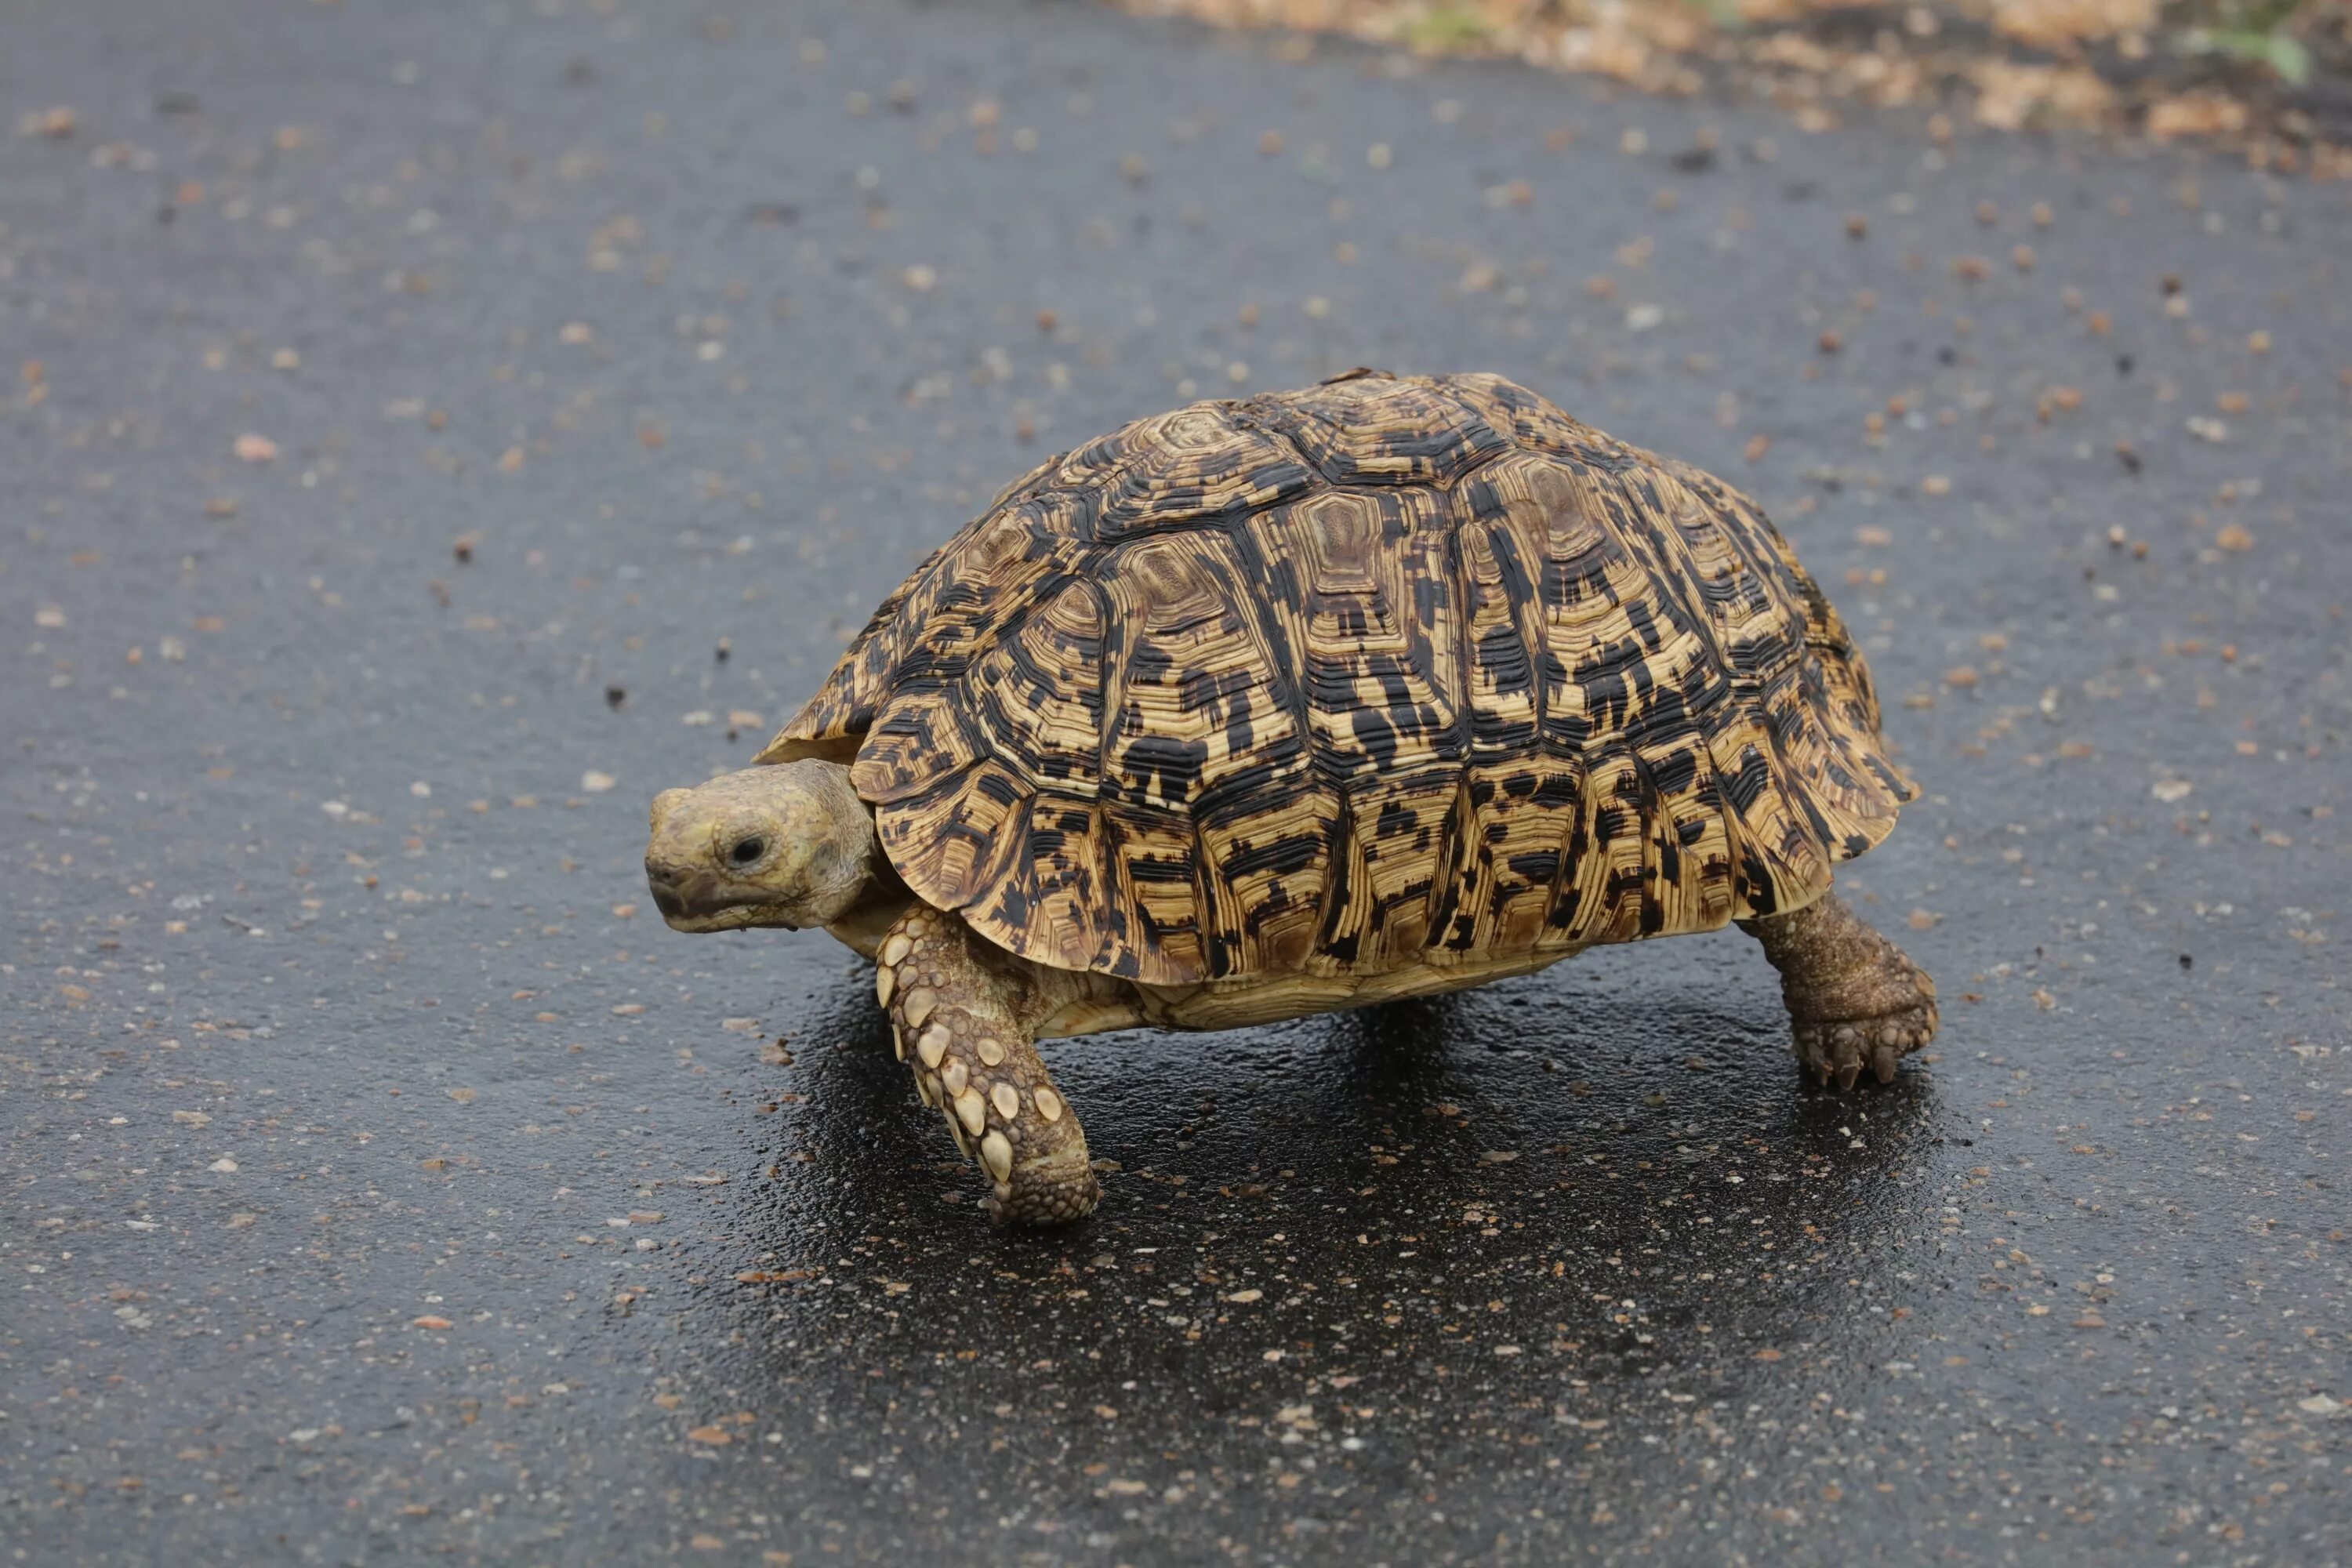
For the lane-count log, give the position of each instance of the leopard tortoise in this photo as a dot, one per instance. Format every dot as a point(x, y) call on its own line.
point(1387, 687)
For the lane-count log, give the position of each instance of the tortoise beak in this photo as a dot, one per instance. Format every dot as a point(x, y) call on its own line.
point(695, 900)
point(669, 893)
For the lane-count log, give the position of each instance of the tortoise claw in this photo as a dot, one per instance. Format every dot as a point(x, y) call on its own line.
point(1836, 1052)
point(1882, 1062)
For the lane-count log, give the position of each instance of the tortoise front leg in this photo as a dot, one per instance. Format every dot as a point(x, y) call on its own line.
point(1853, 996)
point(963, 1012)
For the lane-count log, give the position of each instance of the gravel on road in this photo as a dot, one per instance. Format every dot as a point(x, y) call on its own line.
point(432, 427)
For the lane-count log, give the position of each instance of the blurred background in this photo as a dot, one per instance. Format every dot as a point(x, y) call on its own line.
point(2273, 67)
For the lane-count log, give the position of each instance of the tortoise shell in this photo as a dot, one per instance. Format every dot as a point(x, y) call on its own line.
point(1389, 672)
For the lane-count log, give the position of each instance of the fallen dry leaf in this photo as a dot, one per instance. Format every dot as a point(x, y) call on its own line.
point(2054, 24)
point(2196, 114)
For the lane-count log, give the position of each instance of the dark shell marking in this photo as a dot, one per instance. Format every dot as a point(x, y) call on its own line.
point(1386, 671)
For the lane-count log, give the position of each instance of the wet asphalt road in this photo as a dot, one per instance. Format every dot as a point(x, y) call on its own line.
point(380, 1177)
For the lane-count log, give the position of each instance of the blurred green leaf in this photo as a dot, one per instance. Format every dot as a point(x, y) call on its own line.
point(2290, 59)
point(1724, 14)
point(1446, 27)
point(2284, 53)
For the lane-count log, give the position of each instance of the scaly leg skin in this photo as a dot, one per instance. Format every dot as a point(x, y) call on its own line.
point(1853, 996)
point(961, 1014)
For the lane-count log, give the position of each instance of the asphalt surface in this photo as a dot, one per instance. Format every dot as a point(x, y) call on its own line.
point(380, 1175)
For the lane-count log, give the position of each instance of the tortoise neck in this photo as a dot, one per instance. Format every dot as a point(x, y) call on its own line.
point(877, 907)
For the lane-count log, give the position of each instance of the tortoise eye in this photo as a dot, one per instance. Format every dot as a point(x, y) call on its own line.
point(747, 850)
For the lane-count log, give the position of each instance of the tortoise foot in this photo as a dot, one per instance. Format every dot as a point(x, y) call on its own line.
point(1838, 1049)
point(962, 1020)
point(1055, 1188)
point(1855, 999)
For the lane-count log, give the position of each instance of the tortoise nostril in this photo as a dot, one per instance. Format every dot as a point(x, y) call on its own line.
point(747, 850)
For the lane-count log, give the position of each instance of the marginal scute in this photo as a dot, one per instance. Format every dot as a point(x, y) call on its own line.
point(832, 723)
point(1391, 671)
point(1054, 885)
point(926, 634)
point(954, 842)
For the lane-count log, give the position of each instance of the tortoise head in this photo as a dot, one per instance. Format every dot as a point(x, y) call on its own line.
point(789, 845)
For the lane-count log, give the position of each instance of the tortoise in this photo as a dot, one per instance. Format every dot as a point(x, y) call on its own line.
point(1257, 708)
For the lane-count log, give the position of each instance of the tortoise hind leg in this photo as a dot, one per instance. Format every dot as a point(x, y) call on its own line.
point(962, 1014)
point(1853, 996)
